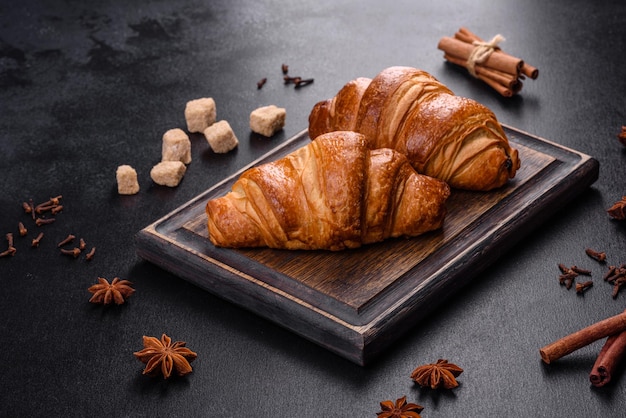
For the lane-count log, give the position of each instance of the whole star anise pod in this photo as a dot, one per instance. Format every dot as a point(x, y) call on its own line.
point(437, 375)
point(618, 210)
point(399, 409)
point(117, 291)
point(163, 357)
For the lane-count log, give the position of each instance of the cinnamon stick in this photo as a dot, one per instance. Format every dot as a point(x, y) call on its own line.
point(504, 91)
point(609, 358)
point(468, 34)
point(530, 71)
point(568, 344)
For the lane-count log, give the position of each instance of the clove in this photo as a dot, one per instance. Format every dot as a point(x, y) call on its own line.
point(10, 251)
point(582, 271)
point(90, 254)
point(67, 240)
point(581, 287)
point(40, 221)
point(596, 255)
point(289, 80)
point(75, 252)
point(302, 83)
point(22, 229)
point(36, 241)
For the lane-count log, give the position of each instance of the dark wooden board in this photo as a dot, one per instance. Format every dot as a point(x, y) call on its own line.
point(357, 302)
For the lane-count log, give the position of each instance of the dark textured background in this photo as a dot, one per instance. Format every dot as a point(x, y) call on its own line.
point(85, 88)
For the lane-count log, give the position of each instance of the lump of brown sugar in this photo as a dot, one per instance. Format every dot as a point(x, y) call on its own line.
point(221, 137)
point(176, 146)
point(168, 173)
point(200, 114)
point(127, 183)
point(267, 120)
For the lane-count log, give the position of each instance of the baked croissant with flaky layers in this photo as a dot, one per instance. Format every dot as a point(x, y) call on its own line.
point(333, 193)
point(452, 138)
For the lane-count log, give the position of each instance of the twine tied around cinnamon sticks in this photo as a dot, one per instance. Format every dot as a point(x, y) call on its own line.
point(481, 52)
point(487, 62)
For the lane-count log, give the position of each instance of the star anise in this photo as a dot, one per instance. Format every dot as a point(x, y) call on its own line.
point(400, 409)
point(437, 375)
point(117, 291)
point(163, 357)
point(618, 210)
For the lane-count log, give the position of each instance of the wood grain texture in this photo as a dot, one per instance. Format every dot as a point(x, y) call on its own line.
point(357, 302)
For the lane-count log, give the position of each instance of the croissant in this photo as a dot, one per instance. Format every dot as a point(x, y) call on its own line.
point(333, 193)
point(452, 138)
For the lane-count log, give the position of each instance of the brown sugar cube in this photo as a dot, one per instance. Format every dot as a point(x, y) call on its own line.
point(199, 114)
point(168, 173)
point(126, 180)
point(221, 137)
point(267, 120)
point(176, 146)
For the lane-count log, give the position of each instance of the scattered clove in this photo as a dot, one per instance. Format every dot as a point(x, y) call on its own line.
point(10, 251)
point(32, 208)
point(261, 83)
point(568, 276)
point(581, 287)
point(67, 240)
point(22, 229)
point(618, 209)
point(301, 82)
point(582, 271)
point(36, 241)
point(90, 254)
point(614, 275)
point(617, 286)
point(617, 277)
point(296, 81)
point(28, 207)
point(39, 209)
point(52, 205)
point(41, 221)
point(290, 80)
point(596, 255)
point(74, 252)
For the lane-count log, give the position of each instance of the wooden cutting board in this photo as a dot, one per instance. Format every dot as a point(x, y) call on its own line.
point(357, 302)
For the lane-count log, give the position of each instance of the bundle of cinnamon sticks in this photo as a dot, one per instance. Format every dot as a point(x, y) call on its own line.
point(487, 62)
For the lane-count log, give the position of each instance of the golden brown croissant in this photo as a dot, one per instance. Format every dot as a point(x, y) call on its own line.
point(333, 193)
point(452, 138)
